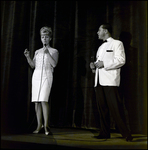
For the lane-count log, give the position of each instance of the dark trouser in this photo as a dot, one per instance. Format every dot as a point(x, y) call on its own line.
point(109, 101)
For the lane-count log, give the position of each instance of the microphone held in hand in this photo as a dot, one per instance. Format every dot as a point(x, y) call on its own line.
point(45, 49)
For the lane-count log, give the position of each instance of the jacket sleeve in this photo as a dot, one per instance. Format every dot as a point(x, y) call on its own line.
point(118, 59)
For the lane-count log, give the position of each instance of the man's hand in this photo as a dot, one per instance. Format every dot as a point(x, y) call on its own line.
point(92, 66)
point(99, 64)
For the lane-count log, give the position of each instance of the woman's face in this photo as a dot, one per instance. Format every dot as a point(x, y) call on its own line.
point(45, 38)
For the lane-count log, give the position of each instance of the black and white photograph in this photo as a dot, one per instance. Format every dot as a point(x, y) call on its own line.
point(74, 74)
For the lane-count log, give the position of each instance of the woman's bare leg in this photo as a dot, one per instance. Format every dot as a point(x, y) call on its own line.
point(45, 108)
point(38, 109)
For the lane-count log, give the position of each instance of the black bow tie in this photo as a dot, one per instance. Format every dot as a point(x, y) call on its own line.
point(104, 41)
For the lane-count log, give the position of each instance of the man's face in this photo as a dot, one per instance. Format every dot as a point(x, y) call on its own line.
point(101, 33)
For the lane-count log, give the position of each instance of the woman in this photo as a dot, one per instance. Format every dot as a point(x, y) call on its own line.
point(44, 61)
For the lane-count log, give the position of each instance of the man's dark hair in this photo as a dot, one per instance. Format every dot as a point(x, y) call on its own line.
point(108, 27)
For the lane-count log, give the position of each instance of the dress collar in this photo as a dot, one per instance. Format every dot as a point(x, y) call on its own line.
point(48, 46)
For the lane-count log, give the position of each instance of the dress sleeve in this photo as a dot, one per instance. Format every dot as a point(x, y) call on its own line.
point(56, 58)
point(35, 55)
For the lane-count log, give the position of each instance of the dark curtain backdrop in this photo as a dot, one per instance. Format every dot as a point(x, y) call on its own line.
point(74, 24)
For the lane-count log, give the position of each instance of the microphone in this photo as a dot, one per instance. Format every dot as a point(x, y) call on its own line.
point(45, 51)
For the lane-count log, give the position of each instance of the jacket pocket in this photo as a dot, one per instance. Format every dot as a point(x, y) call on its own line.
point(109, 50)
point(109, 54)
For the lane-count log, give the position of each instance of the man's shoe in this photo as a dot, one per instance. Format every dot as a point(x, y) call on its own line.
point(129, 138)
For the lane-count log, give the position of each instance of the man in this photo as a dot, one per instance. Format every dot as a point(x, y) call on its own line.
point(110, 58)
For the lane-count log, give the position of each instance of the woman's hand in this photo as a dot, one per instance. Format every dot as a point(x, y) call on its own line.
point(26, 53)
point(31, 62)
point(45, 50)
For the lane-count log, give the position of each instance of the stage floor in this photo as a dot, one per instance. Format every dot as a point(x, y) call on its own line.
point(71, 138)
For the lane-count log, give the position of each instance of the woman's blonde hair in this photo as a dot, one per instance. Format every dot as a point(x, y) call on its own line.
point(46, 30)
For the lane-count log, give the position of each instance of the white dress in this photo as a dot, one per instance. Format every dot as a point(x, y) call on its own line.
point(43, 75)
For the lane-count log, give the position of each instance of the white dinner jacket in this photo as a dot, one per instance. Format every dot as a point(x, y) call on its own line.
point(113, 56)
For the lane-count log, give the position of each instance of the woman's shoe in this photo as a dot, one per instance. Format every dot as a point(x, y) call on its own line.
point(37, 131)
point(47, 131)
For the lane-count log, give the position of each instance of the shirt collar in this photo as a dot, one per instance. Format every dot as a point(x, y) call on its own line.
point(109, 39)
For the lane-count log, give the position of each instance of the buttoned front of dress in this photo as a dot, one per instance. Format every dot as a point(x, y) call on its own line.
point(42, 76)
